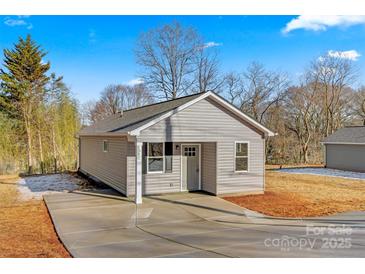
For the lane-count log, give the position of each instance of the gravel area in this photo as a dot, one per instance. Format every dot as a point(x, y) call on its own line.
point(34, 187)
point(325, 172)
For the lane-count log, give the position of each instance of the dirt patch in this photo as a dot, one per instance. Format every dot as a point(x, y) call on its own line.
point(298, 195)
point(26, 230)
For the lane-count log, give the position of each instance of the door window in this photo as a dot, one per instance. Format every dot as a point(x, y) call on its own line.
point(190, 151)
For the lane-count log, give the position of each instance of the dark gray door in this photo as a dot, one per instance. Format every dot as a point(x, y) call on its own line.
point(190, 167)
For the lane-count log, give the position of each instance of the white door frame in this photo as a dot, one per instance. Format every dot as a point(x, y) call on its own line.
point(181, 163)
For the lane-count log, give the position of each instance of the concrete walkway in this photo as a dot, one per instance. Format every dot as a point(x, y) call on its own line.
point(192, 225)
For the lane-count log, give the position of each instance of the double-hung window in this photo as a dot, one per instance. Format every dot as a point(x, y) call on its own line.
point(155, 158)
point(241, 156)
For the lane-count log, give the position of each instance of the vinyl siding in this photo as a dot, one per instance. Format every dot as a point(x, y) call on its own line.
point(209, 167)
point(154, 183)
point(171, 182)
point(345, 157)
point(230, 181)
point(109, 167)
point(205, 121)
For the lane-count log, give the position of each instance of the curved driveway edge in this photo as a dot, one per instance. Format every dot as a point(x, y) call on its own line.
point(186, 225)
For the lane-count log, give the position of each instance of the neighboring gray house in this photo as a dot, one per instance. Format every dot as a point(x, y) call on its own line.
point(196, 142)
point(345, 149)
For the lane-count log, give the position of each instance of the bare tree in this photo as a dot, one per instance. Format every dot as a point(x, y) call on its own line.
point(301, 116)
point(116, 98)
point(233, 87)
point(358, 105)
point(207, 71)
point(261, 89)
point(136, 96)
point(332, 77)
point(111, 99)
point(87, 113)
point(167, 55)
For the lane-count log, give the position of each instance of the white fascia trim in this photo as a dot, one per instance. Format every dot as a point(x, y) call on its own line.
point(136, 131)
point(342, 143)
point(104, 134)
point(242, 115)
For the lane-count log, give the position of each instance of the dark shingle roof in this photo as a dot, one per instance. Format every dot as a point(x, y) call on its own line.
point(133, 118)
point(355, 134)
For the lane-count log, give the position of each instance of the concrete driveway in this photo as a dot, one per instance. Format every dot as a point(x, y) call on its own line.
point(195, 225)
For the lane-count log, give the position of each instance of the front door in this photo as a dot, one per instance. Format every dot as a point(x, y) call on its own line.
point(190, 167)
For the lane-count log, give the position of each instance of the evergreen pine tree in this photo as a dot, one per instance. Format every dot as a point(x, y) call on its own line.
point(23, 82)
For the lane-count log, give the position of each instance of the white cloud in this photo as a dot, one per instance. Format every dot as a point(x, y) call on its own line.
point(135, 81)
point(14, 22)
point(322, 22)
point(352, 55)
point(212, 44)
point(18, 21)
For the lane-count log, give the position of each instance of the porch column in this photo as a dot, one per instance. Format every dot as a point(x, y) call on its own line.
point(138, 190)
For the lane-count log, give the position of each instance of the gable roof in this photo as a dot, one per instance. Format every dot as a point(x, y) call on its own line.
point(347, 135)
point(119, 121)
point(132, 121)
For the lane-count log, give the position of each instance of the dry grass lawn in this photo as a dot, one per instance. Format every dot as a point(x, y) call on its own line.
point(26, 230)
point(299, 195)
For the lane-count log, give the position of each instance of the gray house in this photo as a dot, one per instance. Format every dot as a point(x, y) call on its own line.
point(345, 149)
point(197, 142)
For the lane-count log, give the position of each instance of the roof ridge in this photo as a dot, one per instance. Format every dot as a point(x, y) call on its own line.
point(166, 101)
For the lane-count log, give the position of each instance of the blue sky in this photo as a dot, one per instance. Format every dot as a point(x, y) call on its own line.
point(94, 51)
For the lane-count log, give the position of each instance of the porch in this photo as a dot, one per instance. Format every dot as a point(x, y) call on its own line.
point(167, 167)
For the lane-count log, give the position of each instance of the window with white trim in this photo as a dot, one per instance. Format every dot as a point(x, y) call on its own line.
point(241, 156)
point(105, 146)
point(155, 157)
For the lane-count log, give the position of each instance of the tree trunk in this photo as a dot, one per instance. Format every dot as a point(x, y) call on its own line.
point(61, 158)
point(54, 151)
point(40, 150)
point(29, 144)
point(363, 110)
point(305, 154)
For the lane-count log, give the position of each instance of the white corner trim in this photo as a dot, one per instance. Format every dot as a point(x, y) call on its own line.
point(219, 100)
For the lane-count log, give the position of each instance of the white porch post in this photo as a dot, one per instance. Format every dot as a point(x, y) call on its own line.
point(138, 190)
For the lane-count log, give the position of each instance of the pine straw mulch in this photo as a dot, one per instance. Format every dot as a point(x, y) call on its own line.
point(26, 230)
point(299, 195)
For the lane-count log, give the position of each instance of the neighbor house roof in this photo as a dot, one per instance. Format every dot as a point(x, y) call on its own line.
point(132, 121)
point(347, 135)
